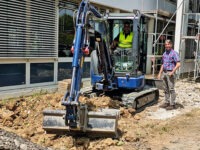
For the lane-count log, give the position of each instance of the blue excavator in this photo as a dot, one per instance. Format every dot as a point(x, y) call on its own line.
point(119, 76)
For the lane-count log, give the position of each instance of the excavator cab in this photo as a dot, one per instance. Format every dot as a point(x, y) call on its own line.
point(126, 60)
point(121, 69)
point(122, 74)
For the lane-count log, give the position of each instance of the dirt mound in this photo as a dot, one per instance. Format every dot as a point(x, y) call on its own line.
point(23, 116)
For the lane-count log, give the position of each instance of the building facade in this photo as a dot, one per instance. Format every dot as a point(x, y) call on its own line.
point(36, 37)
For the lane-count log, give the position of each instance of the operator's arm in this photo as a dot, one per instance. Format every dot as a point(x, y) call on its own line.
point(115, 42)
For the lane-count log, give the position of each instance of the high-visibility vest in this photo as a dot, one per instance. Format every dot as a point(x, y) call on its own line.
point(125, 42)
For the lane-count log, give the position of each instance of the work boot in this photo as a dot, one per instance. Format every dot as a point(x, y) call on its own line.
point(170, 107)
point(164, 105)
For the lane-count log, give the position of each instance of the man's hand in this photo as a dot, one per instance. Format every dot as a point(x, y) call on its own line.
point(171, 73)
point(160, 72)
point(114, 45)
point(178, 64)
point(159, 75)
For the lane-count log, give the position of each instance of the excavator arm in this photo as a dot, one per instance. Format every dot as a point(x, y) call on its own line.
point(80, 50)
point(75, 117)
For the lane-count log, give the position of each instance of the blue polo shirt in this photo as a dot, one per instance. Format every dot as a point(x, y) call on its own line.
point(169, 59)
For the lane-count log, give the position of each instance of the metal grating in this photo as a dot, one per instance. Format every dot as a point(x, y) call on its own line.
point(28, 28)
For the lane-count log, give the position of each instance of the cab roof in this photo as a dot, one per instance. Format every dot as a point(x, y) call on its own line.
point(122, 16)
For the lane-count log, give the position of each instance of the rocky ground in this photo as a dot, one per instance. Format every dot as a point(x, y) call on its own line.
point(152, 129)
point(11, 141)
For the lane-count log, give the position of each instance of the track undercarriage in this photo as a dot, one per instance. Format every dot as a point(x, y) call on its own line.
point(129, 99)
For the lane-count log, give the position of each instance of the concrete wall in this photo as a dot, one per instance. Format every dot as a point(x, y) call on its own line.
point(166, 6)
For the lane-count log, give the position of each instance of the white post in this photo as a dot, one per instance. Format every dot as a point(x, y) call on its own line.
point(179, 15)
point(181, 30)
point(149, 45)
point(28, 73)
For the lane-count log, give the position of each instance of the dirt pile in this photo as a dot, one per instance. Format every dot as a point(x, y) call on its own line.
point(23, 116)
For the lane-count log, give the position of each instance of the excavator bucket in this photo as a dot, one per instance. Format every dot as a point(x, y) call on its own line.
point(102, 123)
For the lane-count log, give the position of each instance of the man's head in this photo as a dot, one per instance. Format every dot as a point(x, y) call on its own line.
point(168, 44)
point(127, 28)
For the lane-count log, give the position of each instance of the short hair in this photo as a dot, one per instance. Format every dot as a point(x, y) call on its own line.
point(169, 41)
point(126, 22)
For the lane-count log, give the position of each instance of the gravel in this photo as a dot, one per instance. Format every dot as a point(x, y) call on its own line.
point(11, 141)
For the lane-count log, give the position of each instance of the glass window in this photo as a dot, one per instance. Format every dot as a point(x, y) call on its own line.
point(173, 1)
point(124, 60)
point(41, 72)
point(66, 28)
point(194, 6)
point(12, 74)
point(86, 70)
point(190, 47)
point(65, 70)
point(167, 34)
point(116, 28)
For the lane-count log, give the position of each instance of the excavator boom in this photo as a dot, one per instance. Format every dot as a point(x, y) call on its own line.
point(76, 118)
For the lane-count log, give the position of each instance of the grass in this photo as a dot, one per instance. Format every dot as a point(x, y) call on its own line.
point(3, 102)
point(189, 114)
point(41, 92)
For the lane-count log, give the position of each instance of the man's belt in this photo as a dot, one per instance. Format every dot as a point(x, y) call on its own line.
point(167, 71)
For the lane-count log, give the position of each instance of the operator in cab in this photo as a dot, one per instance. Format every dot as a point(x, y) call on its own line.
point(123, 41)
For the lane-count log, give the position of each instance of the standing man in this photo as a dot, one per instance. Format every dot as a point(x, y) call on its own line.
point(170, 63)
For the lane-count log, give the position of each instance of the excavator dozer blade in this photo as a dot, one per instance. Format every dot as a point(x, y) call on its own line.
point(102, 123)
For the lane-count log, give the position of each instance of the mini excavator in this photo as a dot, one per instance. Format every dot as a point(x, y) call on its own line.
point(113, 75)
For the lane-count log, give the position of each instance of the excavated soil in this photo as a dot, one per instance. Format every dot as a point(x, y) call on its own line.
point(152, 129)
